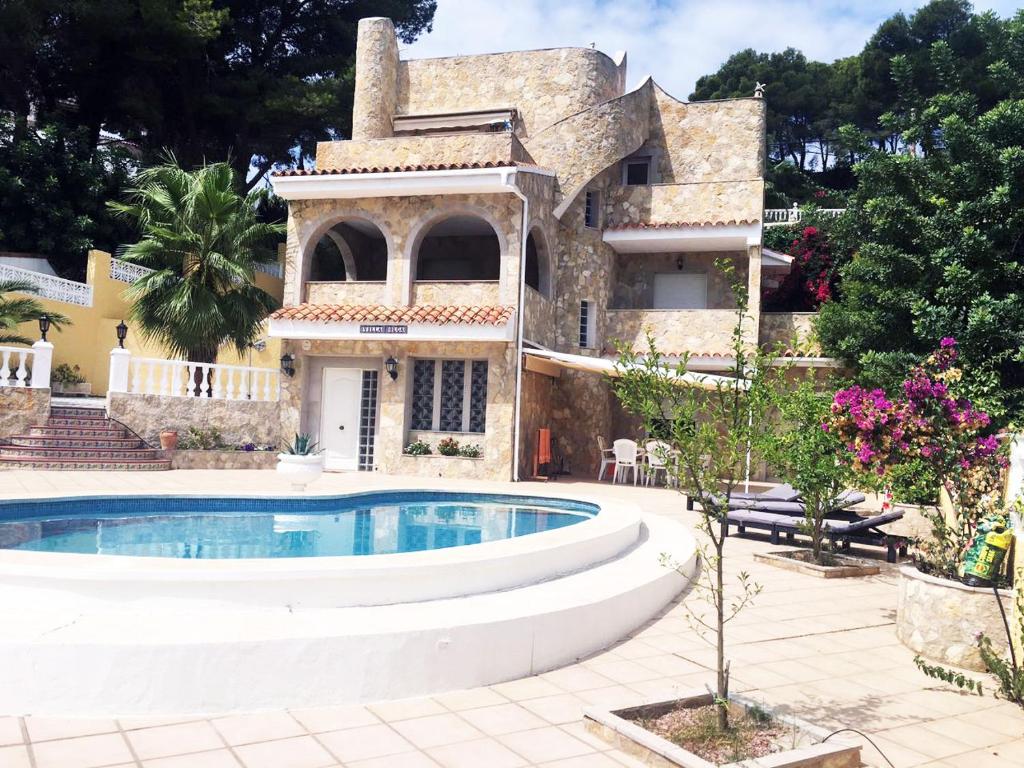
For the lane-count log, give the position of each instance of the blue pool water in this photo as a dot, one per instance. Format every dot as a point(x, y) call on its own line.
point(232, 528)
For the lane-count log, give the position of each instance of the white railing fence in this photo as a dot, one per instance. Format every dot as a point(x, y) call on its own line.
point(794, 215)
point(126, 272)
point(26, 366)
point(181, 378)
point(50, 286)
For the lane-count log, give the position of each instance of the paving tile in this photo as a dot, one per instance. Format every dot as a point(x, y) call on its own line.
point(404, 709)
point(470, 699)
point(10, 731)
point(167, 740)
point(135, 723)
point(503, 718)
point(437, 730)
point(526, 688)
point(83, 752)
point(613, 697)
point(265, 726)
point(298, 752)
point(477, 754)
point(404, 760)
point(14, 757)
point(580, 677)
point(334, 718)
point(220, 758)
point(47, 728)
point(363, 743)
point(926, 741)
point(563, 708)
point(545, 744)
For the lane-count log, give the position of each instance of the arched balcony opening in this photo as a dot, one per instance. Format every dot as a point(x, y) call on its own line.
point(538, 264)
point(354, 250)
point(459, 248)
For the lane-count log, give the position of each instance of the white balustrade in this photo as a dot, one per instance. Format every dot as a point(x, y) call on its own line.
point(126, 272)
point(181, 378)
point(50, 286)
point(794, 215)
point(26, 366)
point(272, 268)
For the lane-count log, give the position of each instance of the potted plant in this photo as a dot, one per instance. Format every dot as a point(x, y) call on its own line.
point(68, 380)
point(449, 446)
point(169, 439)
point(300, 461)
point(471, 451)
point(417, 448)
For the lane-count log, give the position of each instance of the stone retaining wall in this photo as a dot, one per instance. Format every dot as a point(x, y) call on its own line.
point(21, 408)
point(238, 421)
point(939, 618)
point(222, 459)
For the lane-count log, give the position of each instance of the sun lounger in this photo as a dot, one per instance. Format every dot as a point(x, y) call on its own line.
point(784, 492)
point(854, 530)
point(785, 502)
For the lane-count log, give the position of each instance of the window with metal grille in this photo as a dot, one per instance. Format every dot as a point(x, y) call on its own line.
point(592, 209)
point(446, 399)
point(586, 324)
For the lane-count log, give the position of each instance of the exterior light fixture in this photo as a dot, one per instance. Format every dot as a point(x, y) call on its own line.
point(679, 263)
point(391, 366)
point(288, 364)
point(44, 325)
point(122, 334)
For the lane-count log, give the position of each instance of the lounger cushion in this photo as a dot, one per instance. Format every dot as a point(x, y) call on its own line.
point(784, 492)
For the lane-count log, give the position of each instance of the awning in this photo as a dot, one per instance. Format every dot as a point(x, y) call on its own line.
point(610, 368)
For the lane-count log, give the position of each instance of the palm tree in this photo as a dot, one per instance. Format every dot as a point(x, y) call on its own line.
point(203, 241)
point(17, 310)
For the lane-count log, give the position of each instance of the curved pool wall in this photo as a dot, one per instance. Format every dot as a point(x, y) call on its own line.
point(324, 582)
point(95, 635)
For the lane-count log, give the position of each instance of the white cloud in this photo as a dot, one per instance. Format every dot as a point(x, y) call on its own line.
point(676, 41)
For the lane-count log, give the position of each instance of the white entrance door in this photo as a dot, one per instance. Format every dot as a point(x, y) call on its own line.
point(680, 290)
point(339, 417)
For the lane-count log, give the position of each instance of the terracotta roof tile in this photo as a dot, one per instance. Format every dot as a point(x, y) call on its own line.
point(674, 224)
point(396, 168)
point(436, 315)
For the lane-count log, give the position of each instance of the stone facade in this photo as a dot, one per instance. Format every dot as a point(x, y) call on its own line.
point(222, 459)
point(21, 408)
point(238, 421)
point(574, 127)
point(795, 330)
point(938, 618)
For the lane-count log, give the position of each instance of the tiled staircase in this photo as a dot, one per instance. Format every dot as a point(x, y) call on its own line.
point(80, 438)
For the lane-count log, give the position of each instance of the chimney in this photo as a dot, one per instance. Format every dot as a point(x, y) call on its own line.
point(376, 95)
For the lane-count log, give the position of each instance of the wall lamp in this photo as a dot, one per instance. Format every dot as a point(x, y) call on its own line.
point(288, 364)
point(391, 366)
point(44, 325)
point(122, 334)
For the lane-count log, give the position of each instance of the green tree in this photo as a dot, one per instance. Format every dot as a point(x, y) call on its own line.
point(203, 240)
point(936, 236)
point(15, 310)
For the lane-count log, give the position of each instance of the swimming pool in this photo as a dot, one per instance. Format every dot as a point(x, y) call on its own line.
point(244, 528)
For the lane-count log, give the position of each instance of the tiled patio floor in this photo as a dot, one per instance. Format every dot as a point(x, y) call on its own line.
point(826, 650)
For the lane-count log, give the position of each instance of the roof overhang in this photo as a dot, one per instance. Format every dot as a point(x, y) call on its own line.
point(334, 186)
point(683, 238)
point(453, 120)
point(391, 332)
point(775, 260)
point(606, 367)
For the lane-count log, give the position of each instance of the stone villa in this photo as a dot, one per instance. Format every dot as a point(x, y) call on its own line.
point(490, 206)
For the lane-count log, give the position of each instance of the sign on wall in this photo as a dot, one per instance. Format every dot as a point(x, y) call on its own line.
point(384, 330)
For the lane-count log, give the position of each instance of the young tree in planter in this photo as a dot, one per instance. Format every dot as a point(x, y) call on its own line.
point(804, 451)
point(711, 425)
point(203, 241)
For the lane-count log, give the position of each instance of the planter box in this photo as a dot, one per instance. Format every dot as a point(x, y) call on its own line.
point(617, 727)
point(194, 459)
point(71, 389)
point(847, 566)
point(939, 618)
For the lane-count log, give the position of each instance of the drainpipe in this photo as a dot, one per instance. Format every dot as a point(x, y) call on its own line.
point(509, 181)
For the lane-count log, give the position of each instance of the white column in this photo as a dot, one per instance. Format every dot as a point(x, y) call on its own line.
point(120, 362)
point(42, 360)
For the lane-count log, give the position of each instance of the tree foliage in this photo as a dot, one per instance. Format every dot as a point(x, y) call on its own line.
point(203, 240)
point(15, 310)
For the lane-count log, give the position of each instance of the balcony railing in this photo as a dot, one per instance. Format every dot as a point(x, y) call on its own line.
point(181, 378)
point(794, 215)
point(50, 286)
point(127, 272)
point(675, 331)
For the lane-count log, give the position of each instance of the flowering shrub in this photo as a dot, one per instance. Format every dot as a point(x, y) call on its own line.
point(929, 424)
point(449, 446)
point(811, 280)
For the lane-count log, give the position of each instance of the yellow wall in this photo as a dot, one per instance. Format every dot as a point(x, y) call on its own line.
point(87, 340)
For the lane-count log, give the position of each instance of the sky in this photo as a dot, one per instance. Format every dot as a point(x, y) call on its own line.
point(676, 41)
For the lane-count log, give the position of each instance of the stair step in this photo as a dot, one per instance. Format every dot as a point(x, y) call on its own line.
point(110, 465)
point(109, 431)
point(127, 454)
point(74, 412)
point(54, 421)
point(76, 441)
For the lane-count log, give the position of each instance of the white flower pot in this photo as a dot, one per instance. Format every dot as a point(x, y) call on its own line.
point(300, 470)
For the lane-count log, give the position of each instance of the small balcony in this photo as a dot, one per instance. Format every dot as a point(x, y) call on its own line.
point(715, 202)
point(463, 293)
point(346, 293)
point(705, 332)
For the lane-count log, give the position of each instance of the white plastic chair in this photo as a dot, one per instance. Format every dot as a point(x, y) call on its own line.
point(657, 455)
point(625, 459)
point(607, 457)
